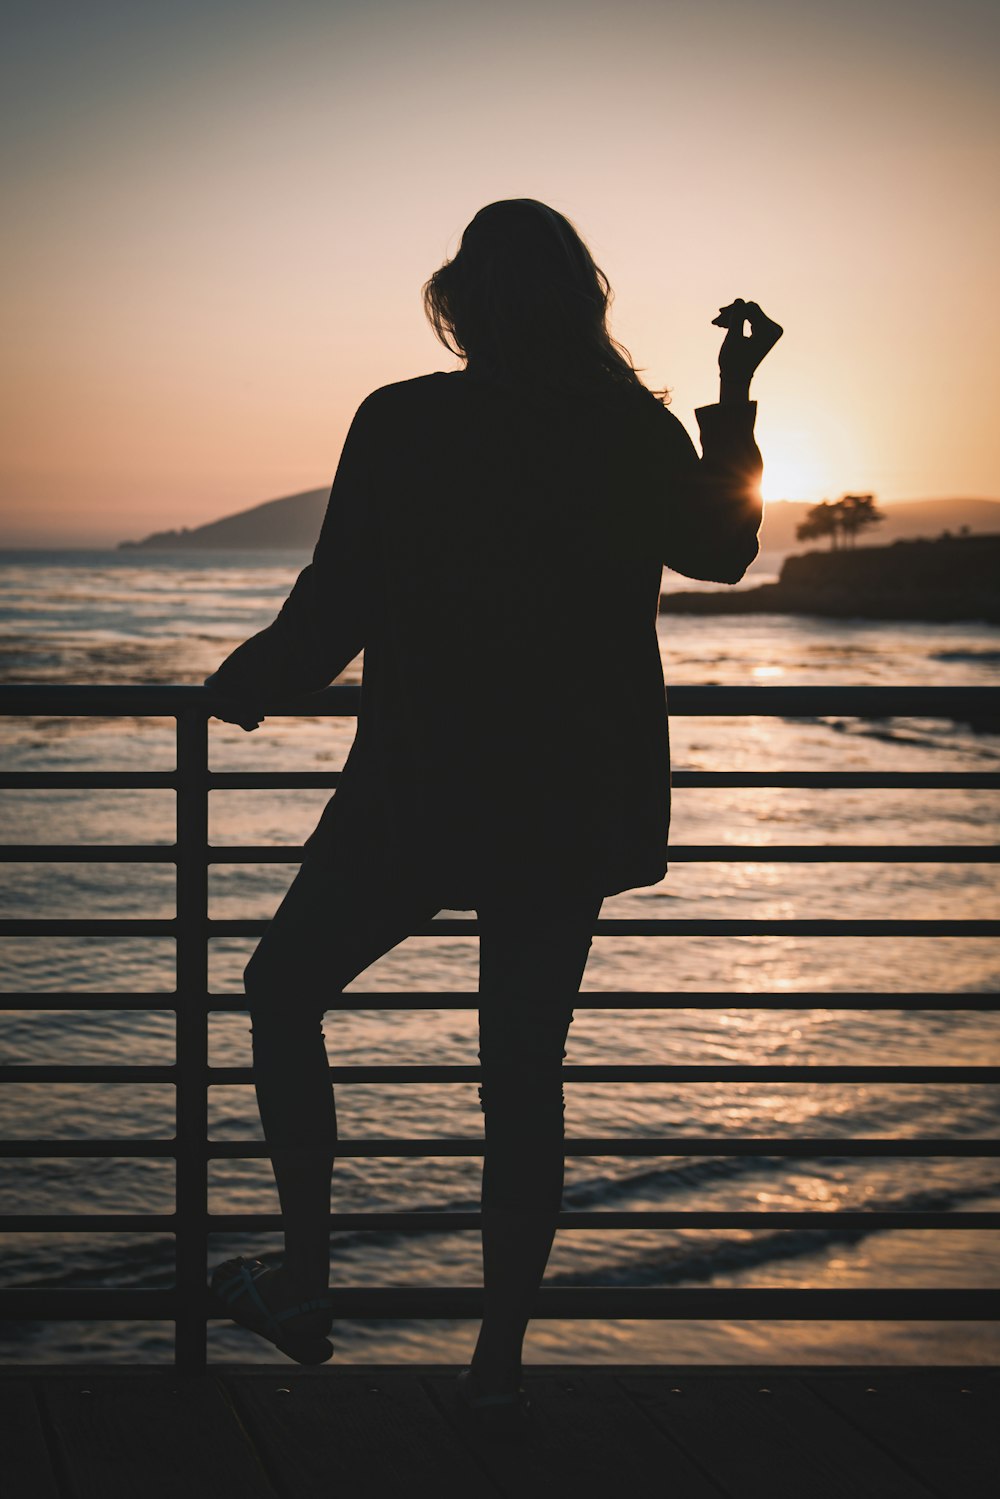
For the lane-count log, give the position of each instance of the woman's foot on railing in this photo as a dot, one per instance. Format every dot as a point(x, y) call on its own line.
point(267, 1301)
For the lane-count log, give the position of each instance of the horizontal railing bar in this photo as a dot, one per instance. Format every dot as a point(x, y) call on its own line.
point(691, 853)
point(460, 1222)
point(152, 701)
point(552, 1303)
point(808, 1148)
point(469, 927)
point(263, 780)
point(448, 999)
point(703, 927)
point(962, 702)
point(698, 853)
point(644, 1303)
point(639, 1072)
point(630, 1072)
point(611, 1145)
point(617, 1220)
point(272, 780)
point(858, 780)
point(359, 999)
point(596, 1073)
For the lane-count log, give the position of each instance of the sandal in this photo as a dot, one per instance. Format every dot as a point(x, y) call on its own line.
point(234, 1285)
point(492, 1413)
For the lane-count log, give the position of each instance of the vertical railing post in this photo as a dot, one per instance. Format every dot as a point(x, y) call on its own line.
point(192, 1038)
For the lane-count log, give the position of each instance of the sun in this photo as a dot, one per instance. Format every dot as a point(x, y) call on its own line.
point(798, 458)
point(792, 475)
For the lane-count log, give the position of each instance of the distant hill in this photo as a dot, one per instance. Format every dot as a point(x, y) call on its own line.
point(294, 522)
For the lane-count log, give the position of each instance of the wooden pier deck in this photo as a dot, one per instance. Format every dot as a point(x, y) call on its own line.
point(367, 1431)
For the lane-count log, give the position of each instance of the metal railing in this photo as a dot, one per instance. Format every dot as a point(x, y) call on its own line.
point(188, 1304)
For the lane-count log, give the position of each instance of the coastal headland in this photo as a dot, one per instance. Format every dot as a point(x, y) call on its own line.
point(947, 579)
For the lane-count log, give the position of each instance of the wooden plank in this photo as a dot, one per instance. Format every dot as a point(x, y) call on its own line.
point(25, 1463)
point(377, 1430)
point(367, 1434)
point(586, 1439)
point(769, 1436)
point(159, 1437)
point(943, 1425)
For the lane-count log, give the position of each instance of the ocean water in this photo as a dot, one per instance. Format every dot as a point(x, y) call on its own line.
point(127, 617)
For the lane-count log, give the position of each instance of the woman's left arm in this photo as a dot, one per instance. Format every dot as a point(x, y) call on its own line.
point(322, 624)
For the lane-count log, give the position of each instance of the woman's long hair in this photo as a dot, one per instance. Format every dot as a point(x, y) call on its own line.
point(525, 304)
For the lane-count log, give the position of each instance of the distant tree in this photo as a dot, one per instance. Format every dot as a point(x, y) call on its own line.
point(820, 521)
point(840, 520)
point(855, 512)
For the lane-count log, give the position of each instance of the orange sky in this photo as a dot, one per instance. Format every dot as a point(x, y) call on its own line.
point(220, 216)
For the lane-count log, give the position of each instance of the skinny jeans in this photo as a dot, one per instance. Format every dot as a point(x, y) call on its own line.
point(343, 911)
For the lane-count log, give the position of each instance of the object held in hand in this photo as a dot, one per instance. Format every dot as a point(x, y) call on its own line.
point(733, 316)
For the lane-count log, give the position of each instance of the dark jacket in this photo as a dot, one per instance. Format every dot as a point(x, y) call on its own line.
point(501, 569)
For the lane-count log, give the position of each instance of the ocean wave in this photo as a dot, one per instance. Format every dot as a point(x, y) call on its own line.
point(985, 654)
point(671, 1264)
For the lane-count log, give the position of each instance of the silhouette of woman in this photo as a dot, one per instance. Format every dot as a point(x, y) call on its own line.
point(494, 541)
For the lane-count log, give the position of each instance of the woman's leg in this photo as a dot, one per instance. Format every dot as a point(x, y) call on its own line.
point(530, 970)
point(339, 916)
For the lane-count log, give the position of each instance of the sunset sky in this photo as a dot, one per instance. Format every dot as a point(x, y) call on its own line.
point(219, 214)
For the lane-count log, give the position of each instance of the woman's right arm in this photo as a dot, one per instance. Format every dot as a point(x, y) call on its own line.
point(322, 624)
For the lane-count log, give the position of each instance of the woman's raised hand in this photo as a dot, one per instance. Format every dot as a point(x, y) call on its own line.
point(740, 356)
